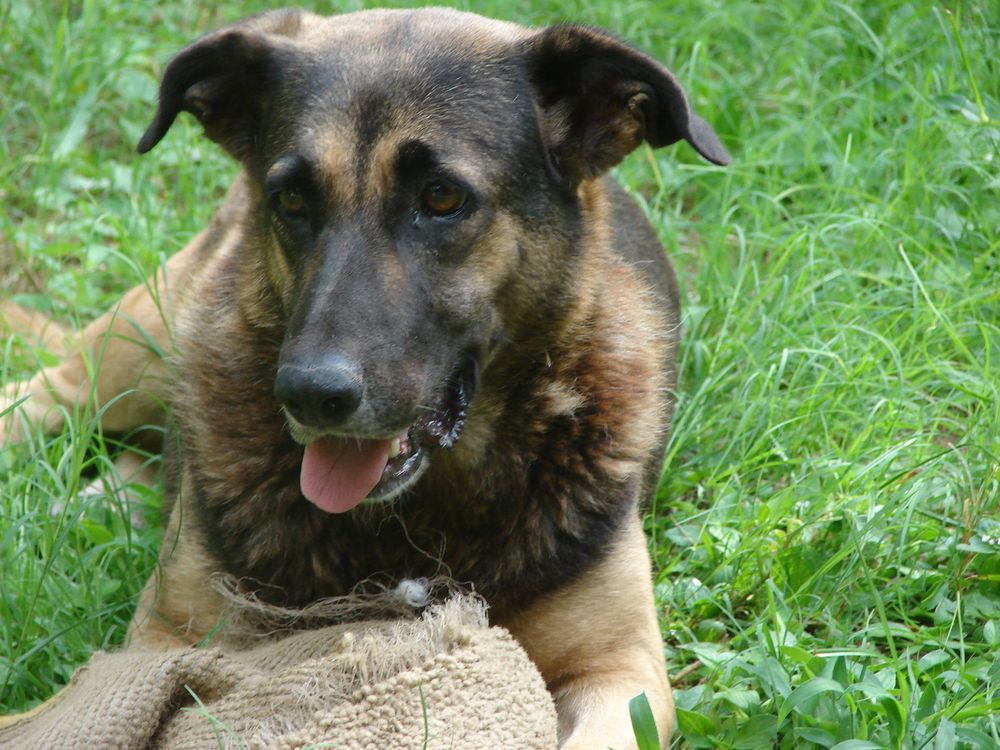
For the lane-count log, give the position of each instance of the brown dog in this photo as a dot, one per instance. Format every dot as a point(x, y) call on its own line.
point(422, 335)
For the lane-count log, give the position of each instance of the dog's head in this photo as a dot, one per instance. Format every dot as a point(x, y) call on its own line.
point(418, 175)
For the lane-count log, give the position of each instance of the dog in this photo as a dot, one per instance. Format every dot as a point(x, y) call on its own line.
point(425, 333)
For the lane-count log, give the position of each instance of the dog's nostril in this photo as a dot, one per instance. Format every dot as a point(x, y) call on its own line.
point(333, 406)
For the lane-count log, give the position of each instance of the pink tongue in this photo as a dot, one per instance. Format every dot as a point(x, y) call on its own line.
point(338, 474)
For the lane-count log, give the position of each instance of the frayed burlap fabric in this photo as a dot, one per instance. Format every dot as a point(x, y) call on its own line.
point(445, 680)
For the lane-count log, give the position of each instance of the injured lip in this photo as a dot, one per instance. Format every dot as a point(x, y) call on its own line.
point(446, 424)
point(339, 473)
point(402, 468)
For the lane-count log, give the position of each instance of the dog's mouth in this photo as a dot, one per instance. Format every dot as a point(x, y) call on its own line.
point(339, 473)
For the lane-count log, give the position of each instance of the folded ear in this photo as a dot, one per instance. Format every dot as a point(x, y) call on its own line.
point(601, 98)
point(223, 79)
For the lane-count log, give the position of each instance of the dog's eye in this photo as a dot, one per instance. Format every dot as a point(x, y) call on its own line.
point(292, 204)
point(442, 198)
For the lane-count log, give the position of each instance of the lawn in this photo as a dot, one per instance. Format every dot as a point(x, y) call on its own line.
point(826, 532)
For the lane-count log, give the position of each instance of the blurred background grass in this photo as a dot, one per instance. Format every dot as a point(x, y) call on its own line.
point(826, 533)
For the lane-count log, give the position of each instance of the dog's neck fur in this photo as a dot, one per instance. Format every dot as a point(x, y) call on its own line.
point(582, 411)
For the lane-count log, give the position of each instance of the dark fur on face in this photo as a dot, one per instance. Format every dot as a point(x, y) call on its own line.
point(427, 249)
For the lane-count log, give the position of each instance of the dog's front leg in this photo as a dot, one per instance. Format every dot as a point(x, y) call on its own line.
point(598, 645)
point(180, 605)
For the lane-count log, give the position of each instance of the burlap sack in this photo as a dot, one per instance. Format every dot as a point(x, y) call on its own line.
point(445, 680)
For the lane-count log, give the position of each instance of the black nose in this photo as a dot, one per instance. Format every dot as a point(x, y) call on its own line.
point(322, 393)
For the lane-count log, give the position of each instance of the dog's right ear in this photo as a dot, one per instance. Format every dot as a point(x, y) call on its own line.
point(223, 80)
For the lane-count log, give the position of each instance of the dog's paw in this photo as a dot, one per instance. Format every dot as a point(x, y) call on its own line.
point(111, 489)
point(12, 425)
point(124, 484)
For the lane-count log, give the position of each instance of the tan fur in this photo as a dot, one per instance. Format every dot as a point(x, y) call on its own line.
point(335, 153)
point(575, 638)
point(179, 604)
point(36, 329)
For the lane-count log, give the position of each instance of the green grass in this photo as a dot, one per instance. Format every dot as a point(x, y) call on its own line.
point(827, 531)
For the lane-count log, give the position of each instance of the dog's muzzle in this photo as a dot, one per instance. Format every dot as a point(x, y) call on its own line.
point(338, 473)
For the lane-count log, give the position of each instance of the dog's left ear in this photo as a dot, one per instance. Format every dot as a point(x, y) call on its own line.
point(601, 98)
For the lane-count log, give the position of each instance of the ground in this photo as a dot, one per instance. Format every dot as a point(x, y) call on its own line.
point(826, 532)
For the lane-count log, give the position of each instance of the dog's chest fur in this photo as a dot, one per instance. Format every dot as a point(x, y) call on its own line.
point(548, 467)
